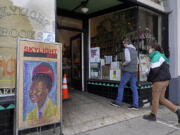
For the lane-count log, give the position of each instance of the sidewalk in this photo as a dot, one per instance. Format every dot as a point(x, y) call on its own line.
point(88, 114)
point(165, 125)
point(87, 111)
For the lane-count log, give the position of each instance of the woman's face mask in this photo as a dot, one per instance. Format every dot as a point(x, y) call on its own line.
point(151, 50)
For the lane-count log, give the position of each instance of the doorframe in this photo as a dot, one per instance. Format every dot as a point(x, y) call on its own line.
point(81, 57)
point(82, 51)
point(82, 60)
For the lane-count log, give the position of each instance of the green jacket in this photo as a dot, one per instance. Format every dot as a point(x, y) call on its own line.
point(159, 70)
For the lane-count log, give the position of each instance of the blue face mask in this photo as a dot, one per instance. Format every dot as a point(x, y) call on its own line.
point(151, 50)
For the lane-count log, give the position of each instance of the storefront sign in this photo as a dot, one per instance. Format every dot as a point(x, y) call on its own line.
point(4, 92)
point(38, 85)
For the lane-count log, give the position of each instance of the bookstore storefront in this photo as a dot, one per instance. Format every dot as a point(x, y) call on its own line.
point(143, 27)
point(106, 33)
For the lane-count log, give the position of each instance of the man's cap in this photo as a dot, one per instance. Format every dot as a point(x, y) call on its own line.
point(44, 68)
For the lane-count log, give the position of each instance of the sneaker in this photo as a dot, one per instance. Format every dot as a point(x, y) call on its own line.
point(114, 104)
point(150, 117)
point(178, 115)
point(133, 108)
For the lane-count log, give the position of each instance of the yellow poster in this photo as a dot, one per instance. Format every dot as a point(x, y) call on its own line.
point(38, 86)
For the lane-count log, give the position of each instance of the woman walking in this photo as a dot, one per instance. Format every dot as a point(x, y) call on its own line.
point(159, 75)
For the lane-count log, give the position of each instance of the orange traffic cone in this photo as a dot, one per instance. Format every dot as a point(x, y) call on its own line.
point(65, 91)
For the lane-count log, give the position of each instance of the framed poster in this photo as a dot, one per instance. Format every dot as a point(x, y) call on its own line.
point(38, 97)
point(95, 54)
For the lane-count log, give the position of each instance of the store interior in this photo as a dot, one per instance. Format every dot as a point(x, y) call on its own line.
point(91, 33)
point(70, 35)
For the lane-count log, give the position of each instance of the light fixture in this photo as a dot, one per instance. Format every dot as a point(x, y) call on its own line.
point(82, 6)
point(84, 10)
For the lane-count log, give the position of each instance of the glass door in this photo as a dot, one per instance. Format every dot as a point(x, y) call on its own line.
point(76, 44)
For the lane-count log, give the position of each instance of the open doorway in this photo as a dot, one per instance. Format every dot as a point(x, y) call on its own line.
point(70, 35)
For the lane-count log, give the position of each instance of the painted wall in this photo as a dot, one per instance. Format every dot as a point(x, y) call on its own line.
point(21, 19)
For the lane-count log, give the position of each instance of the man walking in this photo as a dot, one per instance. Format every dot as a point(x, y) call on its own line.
point(130, 68)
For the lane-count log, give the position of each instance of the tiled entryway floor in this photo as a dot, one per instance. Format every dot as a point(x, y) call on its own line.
point(85, 111)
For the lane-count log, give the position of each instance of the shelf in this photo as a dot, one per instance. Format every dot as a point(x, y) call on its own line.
point(110, 83)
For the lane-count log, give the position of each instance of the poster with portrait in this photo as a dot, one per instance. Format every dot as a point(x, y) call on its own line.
point(38, 83)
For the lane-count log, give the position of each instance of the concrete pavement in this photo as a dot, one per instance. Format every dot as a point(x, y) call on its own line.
point(165, 125)
point(88, 114)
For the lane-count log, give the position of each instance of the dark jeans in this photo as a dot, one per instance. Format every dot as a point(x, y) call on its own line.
point(126, 77)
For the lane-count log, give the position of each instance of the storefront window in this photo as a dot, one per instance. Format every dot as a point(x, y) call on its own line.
point(106, 50)
point(143, 27)
point(149, 29)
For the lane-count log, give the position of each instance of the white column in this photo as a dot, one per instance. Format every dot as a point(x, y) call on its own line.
point(178, 35)
point(174, 46)
point(173, 37)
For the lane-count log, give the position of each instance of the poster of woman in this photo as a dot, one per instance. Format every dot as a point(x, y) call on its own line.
point(38, 85)
point(39, 101)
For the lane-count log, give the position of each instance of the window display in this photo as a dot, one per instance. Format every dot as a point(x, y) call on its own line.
point(141, 26)
point(107, 34)
point(149, 30)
